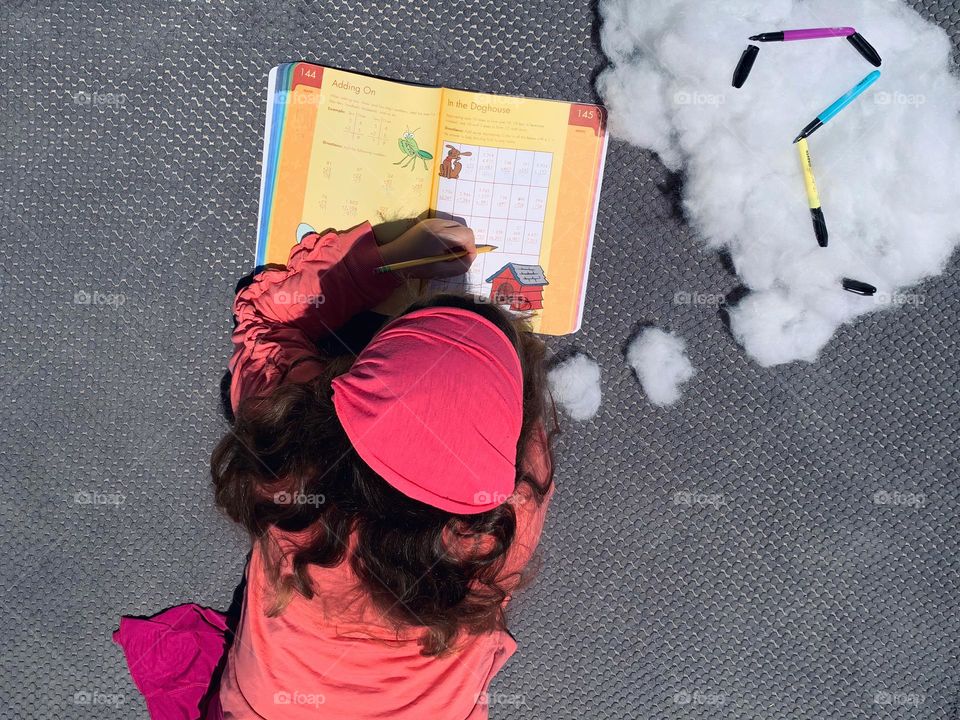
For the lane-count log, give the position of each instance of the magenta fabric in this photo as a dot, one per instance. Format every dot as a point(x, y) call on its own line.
point(173, 658)
point(434, 405)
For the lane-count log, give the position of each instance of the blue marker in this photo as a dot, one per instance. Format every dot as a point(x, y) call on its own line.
point(839, 105)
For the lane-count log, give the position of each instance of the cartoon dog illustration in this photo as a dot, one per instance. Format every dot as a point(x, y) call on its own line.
point(451, 165)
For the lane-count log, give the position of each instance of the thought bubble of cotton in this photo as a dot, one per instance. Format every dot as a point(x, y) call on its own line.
point(886, 166)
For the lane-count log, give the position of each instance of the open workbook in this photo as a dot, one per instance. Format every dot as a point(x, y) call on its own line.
point(523, 173)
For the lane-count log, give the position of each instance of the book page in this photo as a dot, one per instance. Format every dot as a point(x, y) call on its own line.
point(524, 174)
point(352, 148)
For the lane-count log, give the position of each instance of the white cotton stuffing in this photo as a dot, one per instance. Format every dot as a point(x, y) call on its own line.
point(660, 360)
point(575, 385)
point(887, 166)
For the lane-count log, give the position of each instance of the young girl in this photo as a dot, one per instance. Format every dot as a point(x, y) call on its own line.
point(394, 498)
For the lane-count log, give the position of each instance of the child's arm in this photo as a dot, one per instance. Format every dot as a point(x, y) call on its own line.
point(530, 514)
point(328, 279)
point(282, 314)
point(530, 517)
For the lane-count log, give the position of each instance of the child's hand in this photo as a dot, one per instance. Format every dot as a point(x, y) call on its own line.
point(428, 238)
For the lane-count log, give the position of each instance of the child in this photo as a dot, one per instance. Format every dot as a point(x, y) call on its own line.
point(393, 498)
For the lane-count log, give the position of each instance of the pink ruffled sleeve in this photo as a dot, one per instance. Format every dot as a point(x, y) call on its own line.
point(281, 315)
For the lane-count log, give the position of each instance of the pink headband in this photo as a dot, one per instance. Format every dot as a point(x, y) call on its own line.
point(434, 406)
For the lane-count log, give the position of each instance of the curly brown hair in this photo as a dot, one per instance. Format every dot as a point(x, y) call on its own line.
point(290, 441)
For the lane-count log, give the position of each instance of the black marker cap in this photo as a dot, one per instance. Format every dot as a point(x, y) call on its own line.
point(865, 49)
point(857, 287)
point(819, 226)
point(745, 65)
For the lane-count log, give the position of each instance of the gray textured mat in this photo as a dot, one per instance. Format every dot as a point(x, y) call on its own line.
point(726, 558)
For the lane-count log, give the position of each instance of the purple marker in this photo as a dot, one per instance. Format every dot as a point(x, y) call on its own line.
point(807, 34)
point(852, 36)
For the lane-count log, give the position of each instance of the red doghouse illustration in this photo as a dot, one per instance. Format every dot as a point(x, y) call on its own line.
point(519, 286)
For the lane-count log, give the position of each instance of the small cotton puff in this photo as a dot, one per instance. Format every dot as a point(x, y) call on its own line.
point(660, 360)
point(575, 386)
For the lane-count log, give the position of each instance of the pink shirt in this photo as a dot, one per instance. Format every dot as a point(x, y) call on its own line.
point(334, 655)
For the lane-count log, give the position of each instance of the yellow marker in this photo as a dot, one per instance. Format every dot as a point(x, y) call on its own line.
point(432, 259)
point(813, 197)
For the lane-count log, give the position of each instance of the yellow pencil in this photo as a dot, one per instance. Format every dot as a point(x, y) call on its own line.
point(432, 259)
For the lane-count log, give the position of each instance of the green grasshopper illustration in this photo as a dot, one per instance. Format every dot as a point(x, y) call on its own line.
point(411, 151)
